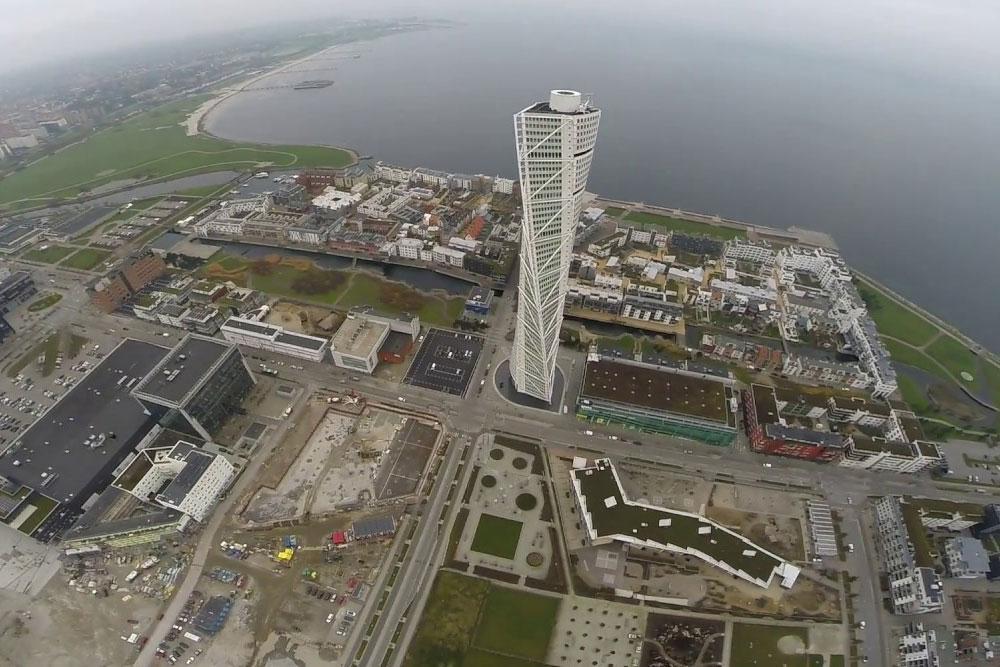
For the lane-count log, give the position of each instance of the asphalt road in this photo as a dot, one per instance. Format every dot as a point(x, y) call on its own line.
point(486, 410)
point(207, 540)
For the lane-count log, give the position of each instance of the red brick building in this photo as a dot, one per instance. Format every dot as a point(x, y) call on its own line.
point(136, 272)
point(769, 434)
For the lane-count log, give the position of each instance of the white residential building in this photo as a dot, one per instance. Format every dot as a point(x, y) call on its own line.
point(504, 186)
point(388, 172)
point(182, 477)
point(409, 248)
point(555, 147)
point(688, 276)
point(333, 199)
point(917, 647)
point(765, 294)
point(384, 203)
point(749, 251)
point(914, 590)
point(445, 255)
point(463, 244)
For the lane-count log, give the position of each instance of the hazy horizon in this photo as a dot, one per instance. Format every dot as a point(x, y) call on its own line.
point(947, 41)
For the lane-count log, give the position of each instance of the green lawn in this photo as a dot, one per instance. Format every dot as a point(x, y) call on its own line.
point(280, 280)
point(471, 622)
point(757, 646)
point(43, 507)
point(954, 356)
point(152, 145)
point(913, 394)
point(614, 211)
point(479, 658)
point(86, 259)
point(685, 226)
point(837, 661)
point(624, 344)
point(52, 254)
point(893, 319)
point(517, 623)
point(448, 622)
point(496, 536)
point(230, 262)
point(45, 302)
point(905, 354)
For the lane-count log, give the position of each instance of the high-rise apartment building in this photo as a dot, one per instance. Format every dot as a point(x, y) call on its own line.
point(555, 146)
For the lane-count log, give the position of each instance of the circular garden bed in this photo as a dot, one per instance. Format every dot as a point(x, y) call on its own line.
point(526, 501)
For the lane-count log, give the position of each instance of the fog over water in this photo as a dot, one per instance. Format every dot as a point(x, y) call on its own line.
point(877, 123)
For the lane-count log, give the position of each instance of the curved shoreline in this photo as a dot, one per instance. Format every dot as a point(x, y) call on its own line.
point(195, 123)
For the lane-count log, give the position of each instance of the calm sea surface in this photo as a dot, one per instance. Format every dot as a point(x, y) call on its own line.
point(903, 169)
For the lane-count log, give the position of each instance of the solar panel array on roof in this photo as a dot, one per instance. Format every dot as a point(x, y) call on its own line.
point(374, 526)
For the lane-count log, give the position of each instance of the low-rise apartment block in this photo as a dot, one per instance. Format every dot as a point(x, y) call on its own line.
point(914, 589)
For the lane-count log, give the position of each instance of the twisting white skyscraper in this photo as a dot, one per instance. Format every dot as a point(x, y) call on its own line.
point(555, 146)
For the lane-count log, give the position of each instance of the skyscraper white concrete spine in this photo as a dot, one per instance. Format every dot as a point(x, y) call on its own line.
point(555, 146)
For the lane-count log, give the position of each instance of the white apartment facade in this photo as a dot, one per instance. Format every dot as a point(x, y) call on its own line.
point(409, 248)
point(555, 147)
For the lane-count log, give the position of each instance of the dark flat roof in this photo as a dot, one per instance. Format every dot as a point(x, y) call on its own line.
point(298, 340)
point(195, 465)
point(656, 389)
point(252, 327)
point(806, 436)
point(374, 526)
point(184, 369)
point(764, 405)
point(13, 232)
point(97, 404)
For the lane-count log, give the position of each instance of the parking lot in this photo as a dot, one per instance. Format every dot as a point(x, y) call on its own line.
point(24, 397)
point(182, 644)
point(445, 361)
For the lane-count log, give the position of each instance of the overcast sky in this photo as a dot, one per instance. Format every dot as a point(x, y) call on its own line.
point(933, 35)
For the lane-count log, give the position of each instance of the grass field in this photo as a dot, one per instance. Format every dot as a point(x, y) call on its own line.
point(614, 211)
point(359, 288)
point(85, 259)
point(43, 507)
point(45, 302)
point(893, 319)
point(496, 536)
point(954, 356)
point(905, 354)
point(684, 226)
point(470, 622)
point(517, 623)
point(914, 394)
point(757, 646)
point(51, 255)
point(152, 145)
